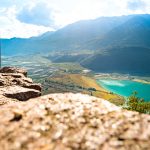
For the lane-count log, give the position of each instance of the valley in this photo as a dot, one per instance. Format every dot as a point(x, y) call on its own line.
point(106, 44)
point(75, 57)
point(61, 77)
point(74, 75)
point(57, 77)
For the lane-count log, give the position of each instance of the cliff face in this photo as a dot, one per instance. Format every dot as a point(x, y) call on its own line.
point(67, 121)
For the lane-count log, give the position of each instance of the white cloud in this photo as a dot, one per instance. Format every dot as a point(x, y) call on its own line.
point(11, 27)
point(40, 14)
point(22, 30)
point(136, 5)
point(63, 12)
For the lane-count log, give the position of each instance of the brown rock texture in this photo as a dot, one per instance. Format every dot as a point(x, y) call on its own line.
point(13, 70)
point(20, 93)
point(15, 84)
point(71, 122)
point(64, 121)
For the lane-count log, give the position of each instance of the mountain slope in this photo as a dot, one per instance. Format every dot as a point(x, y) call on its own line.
point(132, 60)
point(134, 32)
point(120, 44)
point(70, 37)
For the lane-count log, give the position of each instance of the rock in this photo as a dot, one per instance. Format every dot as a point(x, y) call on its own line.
point(33, 86)
point(20, 93)
point(64, 121)
point(13, 70)
point(15, 84)
point(72, 121)
point(2, 82)
point(17, 116)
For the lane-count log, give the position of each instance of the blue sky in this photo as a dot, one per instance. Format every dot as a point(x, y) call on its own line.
point(26, 18)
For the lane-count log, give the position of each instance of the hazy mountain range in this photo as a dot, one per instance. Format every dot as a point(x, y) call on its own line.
point(117, 44)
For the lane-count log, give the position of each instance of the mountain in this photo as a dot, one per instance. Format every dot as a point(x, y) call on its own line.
point(115, 43)
point(132, 60)
point(134, 32)
point(71, 37)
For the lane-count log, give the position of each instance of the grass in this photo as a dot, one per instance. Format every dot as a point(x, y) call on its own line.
point(68, 66)
point(88, 82)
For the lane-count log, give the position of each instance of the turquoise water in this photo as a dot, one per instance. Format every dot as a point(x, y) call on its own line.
point(126, 87)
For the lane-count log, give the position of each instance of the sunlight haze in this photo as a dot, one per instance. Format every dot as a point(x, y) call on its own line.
point(27, 18)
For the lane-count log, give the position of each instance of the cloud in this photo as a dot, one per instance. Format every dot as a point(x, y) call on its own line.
point(24, 18)
point(9, 3)
point(14, 28)
point(11, 27)
point(40, 14)
point(6, 3)
point(136, 5)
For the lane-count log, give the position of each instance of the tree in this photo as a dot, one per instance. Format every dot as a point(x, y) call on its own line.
point(133, 98)
point(137, 104)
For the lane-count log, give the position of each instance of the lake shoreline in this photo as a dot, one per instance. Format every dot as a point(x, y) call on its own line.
point(125, 87)
point(117, 76)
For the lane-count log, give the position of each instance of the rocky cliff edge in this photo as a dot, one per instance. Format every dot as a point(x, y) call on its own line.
point(64, 121)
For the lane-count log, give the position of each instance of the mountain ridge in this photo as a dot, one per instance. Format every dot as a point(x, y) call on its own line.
point(82, 30)
point(105, 35)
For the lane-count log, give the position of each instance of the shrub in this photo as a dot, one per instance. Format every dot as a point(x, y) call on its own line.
point(137, 104)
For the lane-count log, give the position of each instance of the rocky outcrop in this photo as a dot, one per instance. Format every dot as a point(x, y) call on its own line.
point(72, 121)
point(13, 70)
point(20, 93)
point(65, 121)
point(15, 84)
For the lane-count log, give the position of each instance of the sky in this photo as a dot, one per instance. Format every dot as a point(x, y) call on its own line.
point(27, 18)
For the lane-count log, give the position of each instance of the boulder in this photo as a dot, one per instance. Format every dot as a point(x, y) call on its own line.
point(64, 121)
point(72, 122)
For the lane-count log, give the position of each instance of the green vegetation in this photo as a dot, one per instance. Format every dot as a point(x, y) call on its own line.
point(78, 83)
point(70, 77)
point(136, 104)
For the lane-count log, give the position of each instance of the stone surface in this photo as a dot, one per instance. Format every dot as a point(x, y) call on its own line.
point(20, 93)
point(64, 121)
point(15, 84)
point(71, 122)
point(13, 70)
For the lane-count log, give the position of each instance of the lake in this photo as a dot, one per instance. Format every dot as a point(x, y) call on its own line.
point(126, 87)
